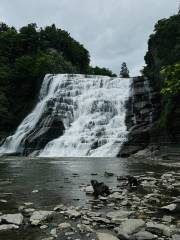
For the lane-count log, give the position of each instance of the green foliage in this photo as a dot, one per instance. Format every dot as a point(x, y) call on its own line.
point(171, 75)
point(163, 47)
point(53, 62)
point(163, 68)
point(101, 71)
point(25, 57)
point(124, 73)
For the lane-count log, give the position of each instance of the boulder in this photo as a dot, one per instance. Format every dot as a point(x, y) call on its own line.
point(119, 216)
point(105, 236)
point(8, 227)
point(83, 228)
point(130, 226)
point(89, 190)
point(39, 216)
point(171, 207)
point(72, 213)
point(144, 235)
point(12, 218)
point(64, 225)
point(158, 228)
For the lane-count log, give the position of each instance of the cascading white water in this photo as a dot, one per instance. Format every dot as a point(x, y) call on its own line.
point(98, 124)
point(92, 109)
point(13, 144)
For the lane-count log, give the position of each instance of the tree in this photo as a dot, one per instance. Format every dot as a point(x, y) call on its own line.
point(171, 75)
point(124, 73)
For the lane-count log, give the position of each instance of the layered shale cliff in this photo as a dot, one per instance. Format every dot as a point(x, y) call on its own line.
point(142, 112)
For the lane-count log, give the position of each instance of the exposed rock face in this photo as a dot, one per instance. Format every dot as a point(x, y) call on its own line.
point(47, 129)
point(142, 111)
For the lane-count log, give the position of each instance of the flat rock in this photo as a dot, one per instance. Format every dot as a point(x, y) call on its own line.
point(130, 226)
point(60, 207)
point(39, 216)
point(72, 213)
point(105, 236)
point(84, 228)
point(153, 227)
point(8, 227)
point(53, 232)
point(64, 225)
point(3, 201)
point(89, 190)
point(101, 220)
point(116, 196)
point(49, 238)
point(170, 207)
point(144, 235)
point(12, 218)
point(119, 216)
point(176, 237)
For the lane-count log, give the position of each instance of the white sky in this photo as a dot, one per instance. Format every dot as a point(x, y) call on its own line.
point(113, 31)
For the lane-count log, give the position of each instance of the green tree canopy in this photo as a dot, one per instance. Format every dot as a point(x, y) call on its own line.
point(171, 75)
point(124, 72)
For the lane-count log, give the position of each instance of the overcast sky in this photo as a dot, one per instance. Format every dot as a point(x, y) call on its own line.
point(112, 30)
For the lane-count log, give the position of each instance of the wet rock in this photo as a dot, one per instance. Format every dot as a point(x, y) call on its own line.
point(130, 226)
point(101, 220)
point(49, 238)
point(89, 190)
point(64, 225)
point(35, 191)
point(3, 201)
point(176, 237)
point(108, 174)
point(69, 233)
point(12, 218)
point(39, 216)
point(119, 216)
point(43, 227)
point(104, 199)
point(167, 219)
point(105, 236)
point(170, 207)
point(29, 210)
point(100, 189)
point(84, 228)
point(8, 227)
point(53, 232)
point(60, 207)
point(133, 181)
point(28, 203)
point(116, 196)
point(158, 228)
point(93, 214)
point(72, 213)
point(144, 235)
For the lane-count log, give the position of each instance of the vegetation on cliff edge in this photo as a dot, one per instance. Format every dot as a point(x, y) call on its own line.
point(25, 57)
point(163, 67)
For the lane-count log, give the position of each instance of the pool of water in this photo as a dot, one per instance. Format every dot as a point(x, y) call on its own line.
point(56, 181)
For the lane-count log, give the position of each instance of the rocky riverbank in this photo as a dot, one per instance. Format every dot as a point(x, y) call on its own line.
point(148, 211)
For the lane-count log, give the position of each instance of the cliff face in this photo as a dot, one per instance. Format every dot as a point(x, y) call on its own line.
point(147, 108)
point(142, 111)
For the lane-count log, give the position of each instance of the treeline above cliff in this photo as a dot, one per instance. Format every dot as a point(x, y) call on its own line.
point(25, 57)
point(163, 71)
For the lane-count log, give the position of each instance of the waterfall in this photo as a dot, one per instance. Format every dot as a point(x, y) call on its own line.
point(92, 109)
